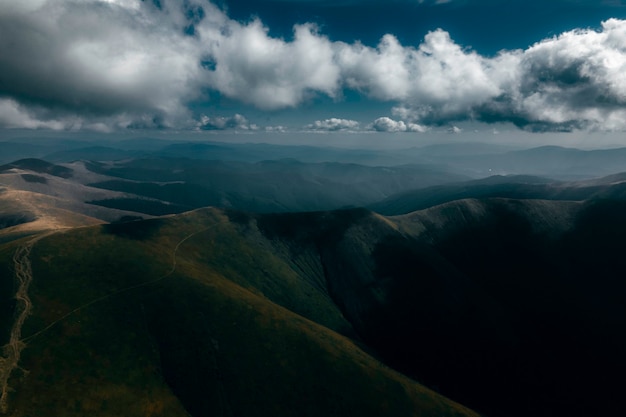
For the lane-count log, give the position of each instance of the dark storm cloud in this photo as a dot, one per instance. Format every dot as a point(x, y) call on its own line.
point(126, 64)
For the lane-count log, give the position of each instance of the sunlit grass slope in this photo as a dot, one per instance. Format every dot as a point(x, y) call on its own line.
point(193, 315)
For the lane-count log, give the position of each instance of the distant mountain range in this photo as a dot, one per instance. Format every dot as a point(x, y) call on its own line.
point(516, 186)
point(475, 160)
point(158, 186)
point(155, 186)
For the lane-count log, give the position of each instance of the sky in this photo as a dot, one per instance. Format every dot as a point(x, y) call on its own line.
point(409, 69)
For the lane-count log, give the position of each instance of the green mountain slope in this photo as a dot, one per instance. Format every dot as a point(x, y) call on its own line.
point(190, 315)
point(510, 307)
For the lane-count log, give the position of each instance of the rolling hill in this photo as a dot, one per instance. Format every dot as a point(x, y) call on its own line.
point(511, 307)
point(109, 190)
point(58, 194)
point(188, 315)
point(267, 186)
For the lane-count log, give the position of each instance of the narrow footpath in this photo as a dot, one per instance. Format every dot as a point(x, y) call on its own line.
point(11, 352)
point(9, 361)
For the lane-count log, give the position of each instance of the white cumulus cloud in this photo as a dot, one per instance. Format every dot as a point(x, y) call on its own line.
point(277, 128)
point(12, 115)
point(67, 64)
point(269, 73)
point(386, 124)
point(333, 125)
point(236, 122)
point(575, 80)
point(98, 59)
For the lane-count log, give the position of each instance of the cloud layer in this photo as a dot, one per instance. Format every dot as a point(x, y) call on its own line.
point(103, 65)
point(236, 122)
point(386, 124)
point(333, 125)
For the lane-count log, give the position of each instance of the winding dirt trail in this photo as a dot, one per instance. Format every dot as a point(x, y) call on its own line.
point(121, 290)
point(9, 361)
point(13, 349)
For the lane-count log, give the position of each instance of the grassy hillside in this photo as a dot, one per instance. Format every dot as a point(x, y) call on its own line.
point(511, 307)
point(192, 315)
point(38, 165)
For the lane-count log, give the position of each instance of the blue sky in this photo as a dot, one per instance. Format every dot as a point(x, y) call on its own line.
point(487, 26)
point(266, 67)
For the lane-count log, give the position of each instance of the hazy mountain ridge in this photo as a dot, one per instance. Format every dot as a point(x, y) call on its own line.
point(516, 187)
point(267, 186)
point(471, 159)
